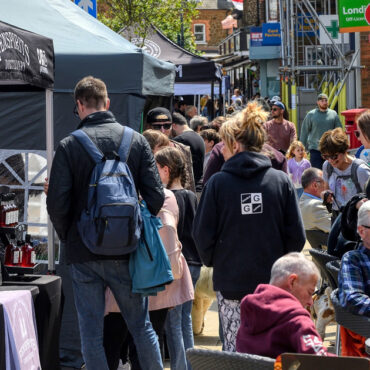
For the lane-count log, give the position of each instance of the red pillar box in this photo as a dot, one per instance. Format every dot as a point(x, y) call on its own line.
point(351, 116)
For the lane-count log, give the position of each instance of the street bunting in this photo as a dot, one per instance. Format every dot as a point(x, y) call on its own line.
point(331, 24)
point(238, 4)
point(354, 16)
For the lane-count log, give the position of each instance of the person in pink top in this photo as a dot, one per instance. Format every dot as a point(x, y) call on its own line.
point(297, 163)
point(280, 132)
point(178, 292)
point(274, 319)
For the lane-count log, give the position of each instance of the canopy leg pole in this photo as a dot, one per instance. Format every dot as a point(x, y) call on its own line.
point(49, 157)
point(213, 99)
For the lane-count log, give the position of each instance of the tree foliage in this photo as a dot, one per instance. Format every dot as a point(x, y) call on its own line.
point(136, 16)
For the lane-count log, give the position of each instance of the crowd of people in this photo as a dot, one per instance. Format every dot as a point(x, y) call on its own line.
point(237, 194)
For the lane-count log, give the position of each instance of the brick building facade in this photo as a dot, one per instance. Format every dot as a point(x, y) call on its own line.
point(207, 26)
point(365, 73)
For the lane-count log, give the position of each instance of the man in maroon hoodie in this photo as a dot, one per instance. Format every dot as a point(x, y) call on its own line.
point(274, 318)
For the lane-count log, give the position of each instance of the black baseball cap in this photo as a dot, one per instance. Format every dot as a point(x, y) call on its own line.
point(159, 114)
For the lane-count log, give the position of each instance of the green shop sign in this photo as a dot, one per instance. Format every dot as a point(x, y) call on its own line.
point(354, 15)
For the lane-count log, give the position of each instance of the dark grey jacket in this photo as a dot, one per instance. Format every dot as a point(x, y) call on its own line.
point(70, 175)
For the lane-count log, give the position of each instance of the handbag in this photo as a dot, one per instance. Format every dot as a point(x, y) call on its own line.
point(149, 265)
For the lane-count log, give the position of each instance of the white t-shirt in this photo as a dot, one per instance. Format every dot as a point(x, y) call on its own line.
point(345, 188)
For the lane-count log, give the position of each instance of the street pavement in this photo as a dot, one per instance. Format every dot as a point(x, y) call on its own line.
point(209, 339)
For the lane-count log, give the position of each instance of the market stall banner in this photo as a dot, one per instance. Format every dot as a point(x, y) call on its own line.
point(354, 16)
point(25, 57)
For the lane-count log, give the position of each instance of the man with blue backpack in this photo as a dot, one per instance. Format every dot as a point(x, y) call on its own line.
point(92, 201)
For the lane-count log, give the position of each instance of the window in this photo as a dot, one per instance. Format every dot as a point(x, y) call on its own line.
point(200, 33)
point(272, 10)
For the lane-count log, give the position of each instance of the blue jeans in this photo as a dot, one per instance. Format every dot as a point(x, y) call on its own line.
point(179, 329)
point(89, 282)
point(69, 340)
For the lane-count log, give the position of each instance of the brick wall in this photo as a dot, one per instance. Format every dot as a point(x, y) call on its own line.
point(365, 73)
point(214, 32)
point(250, 16)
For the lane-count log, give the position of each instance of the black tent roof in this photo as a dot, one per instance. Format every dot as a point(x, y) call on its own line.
point(190, 67)
point(25, 57)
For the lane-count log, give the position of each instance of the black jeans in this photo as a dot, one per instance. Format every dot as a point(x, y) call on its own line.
point(316, 159)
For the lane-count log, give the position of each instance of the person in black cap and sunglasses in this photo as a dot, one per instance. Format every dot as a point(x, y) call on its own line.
point(316, 122)
point(161, 119)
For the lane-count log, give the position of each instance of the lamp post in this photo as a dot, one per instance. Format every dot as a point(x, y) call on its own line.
point(180, 37)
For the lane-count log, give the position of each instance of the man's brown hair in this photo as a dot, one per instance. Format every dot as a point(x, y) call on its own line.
point(210, 135)
point(91, 92)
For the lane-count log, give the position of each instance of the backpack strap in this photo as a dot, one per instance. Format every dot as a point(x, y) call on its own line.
point(125, 147)
point(89, 145)
point(329, 169)
point(356, 163)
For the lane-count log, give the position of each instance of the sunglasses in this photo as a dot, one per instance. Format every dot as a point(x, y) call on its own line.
point(275, 109)
point(357, 134)
point(366, 227)
point(332, 157)
point(166, 126)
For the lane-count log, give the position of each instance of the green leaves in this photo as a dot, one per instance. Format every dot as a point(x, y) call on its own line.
point(138, 15)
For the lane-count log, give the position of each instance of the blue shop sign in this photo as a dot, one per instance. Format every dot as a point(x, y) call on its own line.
point(271, 34)
point(306, 25)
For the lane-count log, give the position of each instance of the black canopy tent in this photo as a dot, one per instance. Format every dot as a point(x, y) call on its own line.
point(191, 70)
point(189, 67)
point(27, 64)
point(83, 46)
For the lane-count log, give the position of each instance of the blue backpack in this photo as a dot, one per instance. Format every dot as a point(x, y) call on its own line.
point(110, 224)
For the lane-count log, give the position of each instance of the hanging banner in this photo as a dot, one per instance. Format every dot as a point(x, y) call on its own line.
point(354, 16)
point(25, 57)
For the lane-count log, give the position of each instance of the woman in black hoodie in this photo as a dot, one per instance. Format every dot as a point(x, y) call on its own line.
point(247, 218)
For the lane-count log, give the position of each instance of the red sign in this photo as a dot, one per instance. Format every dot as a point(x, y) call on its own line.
point(367, 14)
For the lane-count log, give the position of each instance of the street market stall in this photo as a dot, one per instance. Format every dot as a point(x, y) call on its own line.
point(83, 46)
point(27, 67)
point(195, 75)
